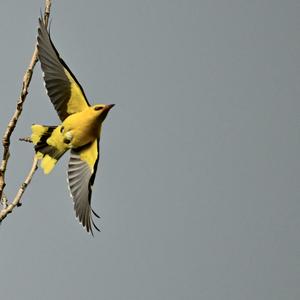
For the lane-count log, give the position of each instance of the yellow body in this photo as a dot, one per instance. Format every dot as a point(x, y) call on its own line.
point(84, 127)
point(77, 130)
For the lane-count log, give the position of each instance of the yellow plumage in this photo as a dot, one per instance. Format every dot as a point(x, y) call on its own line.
point(37, 132)
point(48, 163)
point(79, 130)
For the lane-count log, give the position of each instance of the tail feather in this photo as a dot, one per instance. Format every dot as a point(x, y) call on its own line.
point(49, 152)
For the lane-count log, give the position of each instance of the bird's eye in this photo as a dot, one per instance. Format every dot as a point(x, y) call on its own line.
point(98, 107)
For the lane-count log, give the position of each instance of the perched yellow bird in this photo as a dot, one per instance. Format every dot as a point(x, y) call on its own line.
point(79, 131)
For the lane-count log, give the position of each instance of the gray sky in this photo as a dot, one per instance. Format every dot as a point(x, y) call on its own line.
point(198, 184)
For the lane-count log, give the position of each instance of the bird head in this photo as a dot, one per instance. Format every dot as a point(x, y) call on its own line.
point(101, 110)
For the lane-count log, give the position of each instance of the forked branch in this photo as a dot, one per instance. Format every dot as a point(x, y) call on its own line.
point(6, 206)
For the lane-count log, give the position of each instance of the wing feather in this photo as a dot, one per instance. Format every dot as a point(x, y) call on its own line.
point(63, 88)
point(81, 175)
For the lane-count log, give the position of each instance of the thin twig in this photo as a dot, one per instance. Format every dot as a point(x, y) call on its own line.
point(26, 139)
point(12, 125)
point(17, 200)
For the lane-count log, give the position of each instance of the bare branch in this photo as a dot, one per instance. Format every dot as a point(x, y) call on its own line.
point(11, 126)
point(4, 201)
point(8, 208)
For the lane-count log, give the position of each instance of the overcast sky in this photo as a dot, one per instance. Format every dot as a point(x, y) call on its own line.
point(198, 186)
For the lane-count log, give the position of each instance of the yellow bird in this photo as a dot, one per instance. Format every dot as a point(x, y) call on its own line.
point(79, 131)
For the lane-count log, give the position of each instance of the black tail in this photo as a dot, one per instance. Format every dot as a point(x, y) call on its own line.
point(48, 153)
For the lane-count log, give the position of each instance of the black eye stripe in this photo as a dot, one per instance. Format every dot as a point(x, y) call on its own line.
point(98, 108)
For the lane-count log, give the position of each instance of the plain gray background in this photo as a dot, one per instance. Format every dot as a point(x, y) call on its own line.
point(198, 184)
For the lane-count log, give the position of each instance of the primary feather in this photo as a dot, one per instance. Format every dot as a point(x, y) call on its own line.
point(63, 88)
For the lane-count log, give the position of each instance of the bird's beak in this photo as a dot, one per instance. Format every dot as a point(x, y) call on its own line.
point(105, 110)
point(109, 107)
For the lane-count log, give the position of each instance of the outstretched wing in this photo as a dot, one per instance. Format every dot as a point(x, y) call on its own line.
point(64, 90)
point(81, 175)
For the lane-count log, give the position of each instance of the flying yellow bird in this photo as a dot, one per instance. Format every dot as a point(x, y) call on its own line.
point(79, 131)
